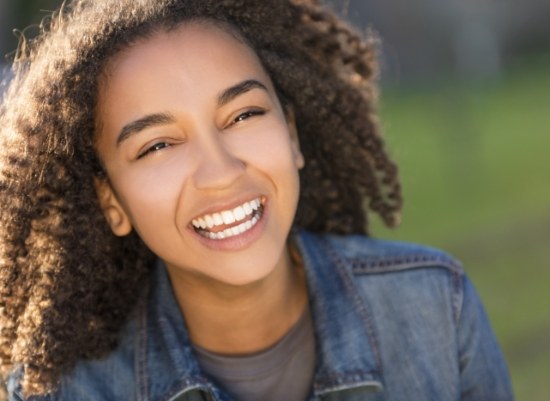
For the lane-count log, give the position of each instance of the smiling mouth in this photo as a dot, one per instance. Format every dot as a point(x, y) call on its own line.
point(229, 223)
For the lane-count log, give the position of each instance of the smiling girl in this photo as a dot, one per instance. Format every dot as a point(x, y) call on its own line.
point(182, 189)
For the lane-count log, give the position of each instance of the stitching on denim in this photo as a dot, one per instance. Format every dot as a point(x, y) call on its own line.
point(393, 263)
point(458, 296)
point(409, 262)
point(141, 353)
point(330, 378)
point(337, 383)
point(348, 280)
point(186, 386)
point(417, 261)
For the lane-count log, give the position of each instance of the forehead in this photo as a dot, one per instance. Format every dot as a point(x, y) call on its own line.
point(175, 69)
point(195, 41)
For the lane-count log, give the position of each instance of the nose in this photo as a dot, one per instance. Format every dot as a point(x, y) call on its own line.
point(217, 165)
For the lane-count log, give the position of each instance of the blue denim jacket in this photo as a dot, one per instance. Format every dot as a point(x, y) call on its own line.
point(393, 322)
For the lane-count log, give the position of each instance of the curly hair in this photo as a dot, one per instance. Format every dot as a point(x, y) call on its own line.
point(67, 284)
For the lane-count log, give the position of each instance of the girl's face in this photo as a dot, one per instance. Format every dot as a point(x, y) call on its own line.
point(201, 160)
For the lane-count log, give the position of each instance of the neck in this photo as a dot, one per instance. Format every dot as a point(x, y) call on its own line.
point(243, 319)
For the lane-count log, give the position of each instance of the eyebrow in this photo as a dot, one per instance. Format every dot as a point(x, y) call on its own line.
point(245, 86)
point(145, 122)
point(155, 119)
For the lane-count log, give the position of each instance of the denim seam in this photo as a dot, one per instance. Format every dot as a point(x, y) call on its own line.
point(187, 386)
point(141, 354)
point(393, 264)
point(341, 385)
point(390, 264)
point(359, 303)
point(458, 296)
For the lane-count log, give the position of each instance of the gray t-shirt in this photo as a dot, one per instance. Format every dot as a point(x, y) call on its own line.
point(282, 372)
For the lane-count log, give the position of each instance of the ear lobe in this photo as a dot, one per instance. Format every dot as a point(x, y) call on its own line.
point(112, 210)
point(295, 142)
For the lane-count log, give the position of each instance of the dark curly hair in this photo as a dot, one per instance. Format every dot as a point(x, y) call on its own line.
point(67, 284)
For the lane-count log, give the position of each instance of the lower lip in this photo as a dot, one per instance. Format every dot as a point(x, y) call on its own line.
point(236, 242)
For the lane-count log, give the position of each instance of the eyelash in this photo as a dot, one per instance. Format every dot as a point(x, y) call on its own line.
point(241, 117)
point(154, 148)
point(246, 115)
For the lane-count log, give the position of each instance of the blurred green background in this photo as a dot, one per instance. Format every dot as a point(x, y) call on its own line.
point(476, 175)
point(465, 109)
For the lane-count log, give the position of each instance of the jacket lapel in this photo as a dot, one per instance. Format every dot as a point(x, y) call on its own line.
point(346, 349)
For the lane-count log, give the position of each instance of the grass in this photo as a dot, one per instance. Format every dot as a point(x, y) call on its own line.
point(476, 175)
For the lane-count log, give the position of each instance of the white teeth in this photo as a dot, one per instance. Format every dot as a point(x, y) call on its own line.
point(232, 231)
point(209, 221)
point(228, 217)
point(242, 212)
point(239, 213)
point(218, 221)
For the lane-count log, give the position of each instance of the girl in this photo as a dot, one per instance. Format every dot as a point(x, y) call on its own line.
point(182, 188)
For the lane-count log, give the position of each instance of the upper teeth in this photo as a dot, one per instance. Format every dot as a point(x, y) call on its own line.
point(241, 212)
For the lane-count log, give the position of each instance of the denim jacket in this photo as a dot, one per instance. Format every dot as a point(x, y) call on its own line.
point(393, 322)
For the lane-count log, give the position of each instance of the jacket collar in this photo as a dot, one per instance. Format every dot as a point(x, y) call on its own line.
point(347, 356)
point(165, 366)
point(347, 351)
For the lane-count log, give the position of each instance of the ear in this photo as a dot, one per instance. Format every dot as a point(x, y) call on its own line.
point(295, 141)
point(112, 209)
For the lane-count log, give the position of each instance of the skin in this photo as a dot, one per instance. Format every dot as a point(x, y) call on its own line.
point(214, 142)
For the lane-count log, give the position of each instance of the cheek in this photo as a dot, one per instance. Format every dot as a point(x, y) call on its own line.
point(268, 148)
point(274, 159)
point(150, 195)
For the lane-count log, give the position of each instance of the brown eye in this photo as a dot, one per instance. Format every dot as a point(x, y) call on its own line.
point(156, 147)
point(247, 114)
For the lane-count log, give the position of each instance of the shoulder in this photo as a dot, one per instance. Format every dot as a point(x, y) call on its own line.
point(418, 306)
point(367, 255)
point(389, 275)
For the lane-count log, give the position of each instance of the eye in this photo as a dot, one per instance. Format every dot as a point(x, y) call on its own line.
point(246, 115)
point(154, 148)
